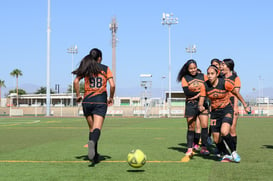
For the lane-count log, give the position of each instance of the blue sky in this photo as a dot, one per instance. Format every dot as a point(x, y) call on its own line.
point(241, 30)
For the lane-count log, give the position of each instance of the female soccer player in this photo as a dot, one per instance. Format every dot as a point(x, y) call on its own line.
point(217, 63)
point(191, 83)
point(95, 100)
point(229, 73)
point(218, 91)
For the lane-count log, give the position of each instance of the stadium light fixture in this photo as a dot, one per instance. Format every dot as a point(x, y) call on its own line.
point(191, 50)
point(168, 19)
point(72, 50)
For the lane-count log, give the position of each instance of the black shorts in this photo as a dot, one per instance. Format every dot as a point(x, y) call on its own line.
point(218, 117)
point(192, 110)
point(90, 109)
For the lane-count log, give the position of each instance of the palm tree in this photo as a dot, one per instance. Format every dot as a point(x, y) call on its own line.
point(2, 84)
point(16, 73)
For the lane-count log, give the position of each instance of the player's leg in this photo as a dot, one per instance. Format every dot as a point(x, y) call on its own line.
point(204, 132)
point(225, 132)
point(96, 131)
point(233, 130)
point(197, 134)
point(190, 134)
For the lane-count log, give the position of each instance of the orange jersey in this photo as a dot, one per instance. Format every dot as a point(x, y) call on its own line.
point(193, 83)
point(96, 86)
point(237, 84)
point(219, 95)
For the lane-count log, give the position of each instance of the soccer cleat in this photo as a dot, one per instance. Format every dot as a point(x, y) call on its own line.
point(227, 158)
point(189, 152)
point(91, 149)
point(196, 147)
point(236, 157)
point(204, 151)
point(188, 155)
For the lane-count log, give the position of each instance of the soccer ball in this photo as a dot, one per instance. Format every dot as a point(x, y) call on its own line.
point(136, 158)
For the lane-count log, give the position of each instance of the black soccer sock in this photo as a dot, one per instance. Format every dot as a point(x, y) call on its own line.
point(234, 139)
point(209, 131)
point(204, 136)
point(95, 138)
point(90, 135)
point(196, 138)
point(221, 147)
point(96, 148)
point(229, 142)
point(95, 135)
point(190, 137)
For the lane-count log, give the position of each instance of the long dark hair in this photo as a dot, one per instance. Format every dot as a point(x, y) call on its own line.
point(230, 64)
point(184, 70)
point(89, 65)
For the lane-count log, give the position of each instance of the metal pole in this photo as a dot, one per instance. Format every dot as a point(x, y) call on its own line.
point(73, 50)
point(170, 73)
point(169, 20)
point(48, 63)
point(72, 85)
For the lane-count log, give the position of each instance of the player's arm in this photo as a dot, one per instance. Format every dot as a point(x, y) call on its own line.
point(202, 98)
point(194, 97)
point(77, 88)
point(239, 96)
point(189, 94)
point(237, 86)
point(236, 102)
point(112, 91)
point(111, 82)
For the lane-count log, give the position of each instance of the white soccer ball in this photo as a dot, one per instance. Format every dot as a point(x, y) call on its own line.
point(136, 158)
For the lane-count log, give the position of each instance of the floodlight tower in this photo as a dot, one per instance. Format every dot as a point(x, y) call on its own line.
point(72, 50)
point(168, 19)
point(191, 50)
point(113, 27)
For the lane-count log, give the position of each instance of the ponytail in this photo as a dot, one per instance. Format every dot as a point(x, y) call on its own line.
point(88, 67)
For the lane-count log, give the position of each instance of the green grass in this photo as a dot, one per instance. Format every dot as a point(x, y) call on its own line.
point(53, 149)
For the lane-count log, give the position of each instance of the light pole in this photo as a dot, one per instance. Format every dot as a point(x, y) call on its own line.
point(168, 19)
point(48, 61)
point(73, 50)
point(162, 90)
point(191, 50)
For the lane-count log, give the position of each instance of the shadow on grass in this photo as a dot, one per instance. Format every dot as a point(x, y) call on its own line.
point(180, 149)
point(135, 171)
point(267, 146)
point(101, 158)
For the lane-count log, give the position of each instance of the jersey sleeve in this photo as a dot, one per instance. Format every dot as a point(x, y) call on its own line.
point(229, 85)
point(184, 82)
point(237, 82)
point(109, 73)
point(205, 77)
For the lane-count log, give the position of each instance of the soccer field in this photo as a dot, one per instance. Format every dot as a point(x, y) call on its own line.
point(41, 148)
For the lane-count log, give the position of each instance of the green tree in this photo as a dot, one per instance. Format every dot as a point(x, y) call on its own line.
point(42, 90)
point(2, 84)
point(20, 91)
point(81, 88)
point(16, 73)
